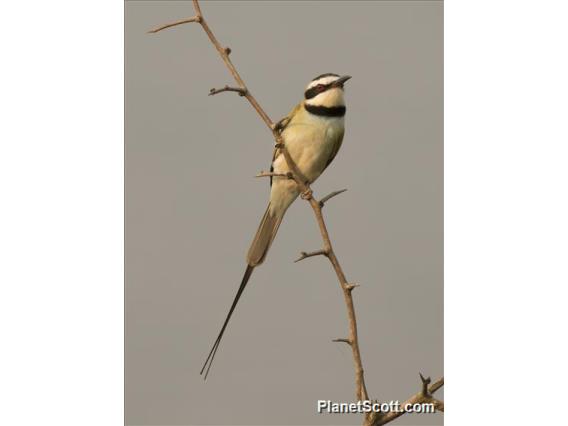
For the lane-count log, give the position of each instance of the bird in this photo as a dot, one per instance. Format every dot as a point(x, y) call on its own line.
point(312, 133)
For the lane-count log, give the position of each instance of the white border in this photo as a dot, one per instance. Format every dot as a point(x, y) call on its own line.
point(61, 224)
point(61, 220)
point(506, 212)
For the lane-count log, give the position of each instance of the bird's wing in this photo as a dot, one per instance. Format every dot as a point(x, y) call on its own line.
point(335, 149)
point(280, 126)
point(275, 154)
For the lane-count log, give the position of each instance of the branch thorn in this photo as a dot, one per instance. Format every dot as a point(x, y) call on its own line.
point(239, 90)
point(304, 255)
point(342, 341)
point(196, 18)
point(330, 196)
point(425, 382)
point(287, 175)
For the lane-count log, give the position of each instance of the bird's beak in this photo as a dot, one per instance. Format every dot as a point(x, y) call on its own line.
point(341, 80)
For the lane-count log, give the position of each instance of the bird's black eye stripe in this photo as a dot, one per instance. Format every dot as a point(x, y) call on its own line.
point(316, 90)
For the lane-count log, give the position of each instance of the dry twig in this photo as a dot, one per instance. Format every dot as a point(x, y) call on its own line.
point(304, 255)
point(241, 92)
point(271, 174)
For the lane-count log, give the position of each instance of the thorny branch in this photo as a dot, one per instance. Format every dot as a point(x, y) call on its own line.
point(306, 194)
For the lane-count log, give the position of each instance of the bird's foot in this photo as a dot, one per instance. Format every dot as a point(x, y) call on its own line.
point(307, 194)
point(281, 125)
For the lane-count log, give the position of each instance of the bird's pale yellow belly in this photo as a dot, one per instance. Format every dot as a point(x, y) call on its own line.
point(310, 146)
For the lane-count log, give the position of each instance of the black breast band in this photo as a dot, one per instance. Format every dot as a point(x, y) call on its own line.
point(338, 111)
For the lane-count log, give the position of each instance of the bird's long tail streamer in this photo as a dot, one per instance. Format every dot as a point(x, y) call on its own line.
point(213, 351)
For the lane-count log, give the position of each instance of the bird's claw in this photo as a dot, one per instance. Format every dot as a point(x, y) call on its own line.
point(306, 195)
point(281, 125)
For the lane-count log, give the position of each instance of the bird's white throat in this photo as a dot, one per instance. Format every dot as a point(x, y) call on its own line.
point(330, 98)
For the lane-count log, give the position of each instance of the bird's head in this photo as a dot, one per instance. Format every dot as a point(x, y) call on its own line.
point(326, 90)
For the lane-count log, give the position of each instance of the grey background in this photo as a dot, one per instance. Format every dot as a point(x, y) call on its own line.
point(192, 207)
